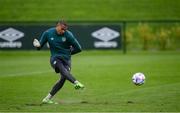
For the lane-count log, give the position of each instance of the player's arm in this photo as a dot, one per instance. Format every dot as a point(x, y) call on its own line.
point(40, 43)
point(75, 46)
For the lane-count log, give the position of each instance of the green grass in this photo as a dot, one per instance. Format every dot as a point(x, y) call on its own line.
point(108, 10)
point(26, 77)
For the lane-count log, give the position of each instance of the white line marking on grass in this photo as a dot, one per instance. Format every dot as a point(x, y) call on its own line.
point(129, 91)
point(142, 89)
point(24, 73)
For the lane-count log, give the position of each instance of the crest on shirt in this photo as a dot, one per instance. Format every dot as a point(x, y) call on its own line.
point(63, 39)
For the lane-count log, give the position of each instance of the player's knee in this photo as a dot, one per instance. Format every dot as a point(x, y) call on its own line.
point(64, 73)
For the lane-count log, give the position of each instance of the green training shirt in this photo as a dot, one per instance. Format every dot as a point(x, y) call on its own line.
point(63, 45)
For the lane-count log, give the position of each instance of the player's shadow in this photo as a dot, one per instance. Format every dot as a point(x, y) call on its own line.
point(32, 104)
point(78, 102)
point(61, 102)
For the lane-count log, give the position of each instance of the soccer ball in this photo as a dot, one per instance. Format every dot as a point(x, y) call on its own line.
point(138, 78)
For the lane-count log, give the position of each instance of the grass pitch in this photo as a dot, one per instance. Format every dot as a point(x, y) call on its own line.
point(26, 77)
point(107, 10)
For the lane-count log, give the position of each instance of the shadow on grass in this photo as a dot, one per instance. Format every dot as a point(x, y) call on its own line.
point(78, 102)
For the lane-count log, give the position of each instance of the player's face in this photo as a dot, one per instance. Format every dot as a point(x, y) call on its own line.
point(60, 29)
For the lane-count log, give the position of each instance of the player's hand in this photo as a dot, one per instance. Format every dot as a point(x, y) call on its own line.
point(36, 43)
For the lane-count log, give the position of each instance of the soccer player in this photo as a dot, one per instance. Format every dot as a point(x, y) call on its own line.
point(62, 45)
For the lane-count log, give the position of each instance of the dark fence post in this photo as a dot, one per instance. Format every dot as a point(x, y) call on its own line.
point(124, 37)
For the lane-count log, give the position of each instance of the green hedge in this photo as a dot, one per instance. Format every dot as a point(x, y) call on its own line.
point(153, 36)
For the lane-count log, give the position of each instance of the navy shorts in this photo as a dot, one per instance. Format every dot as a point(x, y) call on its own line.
point(57, 62)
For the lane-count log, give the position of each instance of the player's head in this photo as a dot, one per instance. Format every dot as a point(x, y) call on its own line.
point(61, 27)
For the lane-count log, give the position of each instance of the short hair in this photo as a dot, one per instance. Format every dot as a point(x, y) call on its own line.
point(62, 22)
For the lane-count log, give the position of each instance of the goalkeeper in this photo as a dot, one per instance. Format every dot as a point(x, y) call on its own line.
point(62, 45)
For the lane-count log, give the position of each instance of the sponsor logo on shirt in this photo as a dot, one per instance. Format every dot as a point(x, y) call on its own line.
point(52, 38)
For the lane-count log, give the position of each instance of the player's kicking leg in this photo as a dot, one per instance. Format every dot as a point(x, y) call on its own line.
point(64, 68)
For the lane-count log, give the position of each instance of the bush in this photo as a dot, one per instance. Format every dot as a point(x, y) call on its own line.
point(145, 33)
point(163, 38)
